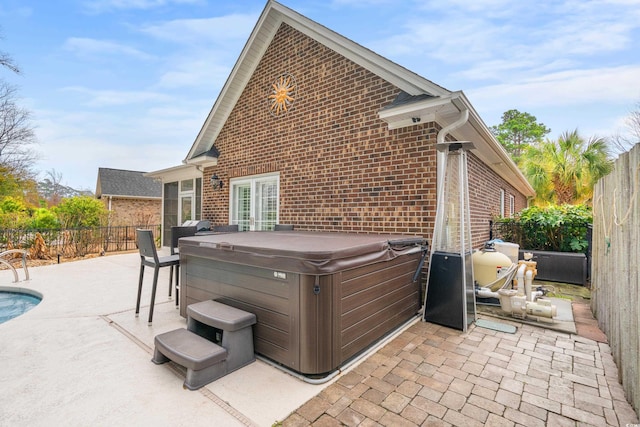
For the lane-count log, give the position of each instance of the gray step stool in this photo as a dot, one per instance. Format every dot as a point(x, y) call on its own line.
point(196, 349)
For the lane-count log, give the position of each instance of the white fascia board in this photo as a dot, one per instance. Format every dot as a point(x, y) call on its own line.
point(247, 62)
point(176, 173)
point(203, 161)
point(403, 115)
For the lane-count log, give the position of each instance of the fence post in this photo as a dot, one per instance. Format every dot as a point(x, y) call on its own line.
point(490, 229)
point(589, 249)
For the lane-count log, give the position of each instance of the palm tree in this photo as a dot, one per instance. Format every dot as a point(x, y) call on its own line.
point(565, 171)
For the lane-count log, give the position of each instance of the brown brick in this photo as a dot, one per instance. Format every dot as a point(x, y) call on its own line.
point(374, 396)
point(395, 402)
point(488, 404)
point(327, 421)
point(494, 420)
point(557, 420)
point(409, 388)
point(459, 419)
point(582, 416)
point(475, 412)
point(295, 420)
point(453, 400)
point(368, 409)
point(432, 421)
point(508, 399)
point(414, 414)
point(462, 387)
point(429, 406)
point(349, 417)
point(512, 385)
point(380, 385)
point(394, 420)
point(313, 409)
point(338, 406)
point(533, 410)
point(522, 418)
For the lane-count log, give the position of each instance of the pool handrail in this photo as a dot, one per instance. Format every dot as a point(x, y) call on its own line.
point(8, 264)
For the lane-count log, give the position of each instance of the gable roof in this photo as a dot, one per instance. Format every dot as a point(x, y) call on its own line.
point(420, 98)
point(127, 184)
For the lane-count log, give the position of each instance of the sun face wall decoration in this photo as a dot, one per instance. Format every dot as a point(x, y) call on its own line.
point(282, 94)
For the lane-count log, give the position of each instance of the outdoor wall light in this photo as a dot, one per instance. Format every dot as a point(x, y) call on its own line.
point(216, 183)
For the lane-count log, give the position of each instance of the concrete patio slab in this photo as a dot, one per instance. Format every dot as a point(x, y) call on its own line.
point(82, 358)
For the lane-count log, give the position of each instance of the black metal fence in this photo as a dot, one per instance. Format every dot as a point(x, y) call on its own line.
point(76, 241)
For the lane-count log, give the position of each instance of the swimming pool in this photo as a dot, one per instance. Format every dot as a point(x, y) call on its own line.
point(13, 303)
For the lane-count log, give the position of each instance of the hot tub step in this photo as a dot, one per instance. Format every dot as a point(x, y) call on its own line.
point(235, 325)
point(205, 360)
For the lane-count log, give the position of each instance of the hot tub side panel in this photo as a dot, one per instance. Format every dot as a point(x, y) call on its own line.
point(274, 301)
point(317, 340)
point(372, 301)
point(309, 323)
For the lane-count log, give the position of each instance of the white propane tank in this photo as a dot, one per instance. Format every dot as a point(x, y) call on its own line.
point(488, 264)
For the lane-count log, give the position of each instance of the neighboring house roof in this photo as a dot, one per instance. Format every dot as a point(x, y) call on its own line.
point(127, 184)
point(420, 98)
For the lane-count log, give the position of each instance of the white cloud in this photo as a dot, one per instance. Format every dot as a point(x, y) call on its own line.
point(361, 3)
point(20, 11)
point(572, 87)
point(217, 30)
point(99, 6)
point(157, 138)
point(105, 98)
point(89, 47)
point(195, 72)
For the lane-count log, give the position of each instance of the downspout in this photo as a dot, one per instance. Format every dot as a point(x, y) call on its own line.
point(441, 165)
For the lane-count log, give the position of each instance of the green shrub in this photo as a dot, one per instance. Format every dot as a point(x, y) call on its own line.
point(44, 219)
point(552, 228)
point(83, 211)
point(13, 213)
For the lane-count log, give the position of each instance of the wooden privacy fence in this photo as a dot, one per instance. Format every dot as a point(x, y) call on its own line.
point(615, 274)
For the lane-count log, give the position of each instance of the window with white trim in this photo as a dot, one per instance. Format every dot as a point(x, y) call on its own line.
point(512, 205)
point(254, 202)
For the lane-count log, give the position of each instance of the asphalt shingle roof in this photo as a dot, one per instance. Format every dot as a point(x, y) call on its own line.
point(125, 183)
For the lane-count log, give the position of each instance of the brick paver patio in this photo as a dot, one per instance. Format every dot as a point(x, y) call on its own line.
point(435, 376)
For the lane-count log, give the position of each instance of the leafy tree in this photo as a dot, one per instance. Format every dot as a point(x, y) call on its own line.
point(13, 213)
point(83, 211)
point(517, 131)
point(565, 171)
point(16, 139)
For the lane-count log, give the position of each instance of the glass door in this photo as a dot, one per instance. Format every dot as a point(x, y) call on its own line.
point(241, 207)
point(254, 203)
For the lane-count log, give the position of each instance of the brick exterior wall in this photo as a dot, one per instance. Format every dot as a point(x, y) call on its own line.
point(341, 168)
point(134, 211)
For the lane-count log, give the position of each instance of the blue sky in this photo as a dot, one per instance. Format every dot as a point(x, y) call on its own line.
point(128, 83)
